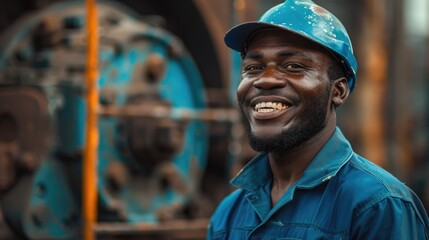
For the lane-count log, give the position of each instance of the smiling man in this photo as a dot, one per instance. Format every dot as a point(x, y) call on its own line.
point(307, 183)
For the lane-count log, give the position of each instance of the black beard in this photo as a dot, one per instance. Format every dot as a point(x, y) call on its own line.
point(314, 121)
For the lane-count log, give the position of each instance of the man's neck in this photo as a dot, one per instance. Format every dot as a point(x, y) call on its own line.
point(288, 167)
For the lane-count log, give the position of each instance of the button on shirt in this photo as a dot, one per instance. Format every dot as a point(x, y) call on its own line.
point(340, 196)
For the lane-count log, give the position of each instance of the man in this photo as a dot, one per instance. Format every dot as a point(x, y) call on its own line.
point(298, 67)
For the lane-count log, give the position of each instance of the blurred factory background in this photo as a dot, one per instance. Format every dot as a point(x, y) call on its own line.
point(170, 135)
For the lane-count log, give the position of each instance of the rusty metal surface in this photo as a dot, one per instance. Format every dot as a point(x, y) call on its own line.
point(171, 230)
point(5, 231)
point(23, 113)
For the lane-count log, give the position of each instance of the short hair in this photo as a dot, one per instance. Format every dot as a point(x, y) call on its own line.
point(336, 70)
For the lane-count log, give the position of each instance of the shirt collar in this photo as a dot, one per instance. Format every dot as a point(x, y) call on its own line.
point(255, 174)
point(333, 155)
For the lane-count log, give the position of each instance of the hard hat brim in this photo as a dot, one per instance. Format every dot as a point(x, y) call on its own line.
point(237, 36)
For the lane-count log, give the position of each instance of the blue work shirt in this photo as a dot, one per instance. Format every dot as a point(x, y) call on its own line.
point(340, 196)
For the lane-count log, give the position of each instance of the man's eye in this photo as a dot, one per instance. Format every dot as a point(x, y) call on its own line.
point(253, 68)
point(293, 67)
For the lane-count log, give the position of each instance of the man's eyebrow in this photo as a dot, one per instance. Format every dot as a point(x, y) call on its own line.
point(253, 55)
point(258, 55)
point(290, 54)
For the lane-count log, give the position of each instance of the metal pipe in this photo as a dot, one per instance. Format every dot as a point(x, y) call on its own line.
point(375, 71)
point(89, 196)
point(162, 112)
point(177, 229)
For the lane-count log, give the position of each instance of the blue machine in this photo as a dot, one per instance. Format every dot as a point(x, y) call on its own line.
point(151, 152)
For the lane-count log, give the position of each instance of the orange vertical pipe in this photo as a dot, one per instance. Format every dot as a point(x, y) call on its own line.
point(375, 74)
point(89, 196)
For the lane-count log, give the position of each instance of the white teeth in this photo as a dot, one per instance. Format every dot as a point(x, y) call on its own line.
point(265, 107)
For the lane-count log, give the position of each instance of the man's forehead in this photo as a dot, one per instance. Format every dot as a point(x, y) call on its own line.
point(275, 37)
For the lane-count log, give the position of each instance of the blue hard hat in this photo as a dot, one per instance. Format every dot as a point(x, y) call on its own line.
point(307, 19)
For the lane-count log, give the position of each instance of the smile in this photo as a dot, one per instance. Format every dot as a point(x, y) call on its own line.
point(266, 107)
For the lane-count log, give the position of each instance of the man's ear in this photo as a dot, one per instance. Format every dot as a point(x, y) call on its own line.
point(340, 92)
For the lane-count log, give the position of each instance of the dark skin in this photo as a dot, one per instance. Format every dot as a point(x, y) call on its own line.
point(284, 76)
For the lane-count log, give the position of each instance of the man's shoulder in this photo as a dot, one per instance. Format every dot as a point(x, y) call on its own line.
point(362, 185)
point(362, 176)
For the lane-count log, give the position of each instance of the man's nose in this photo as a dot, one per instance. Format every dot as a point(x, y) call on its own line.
point(269, 80)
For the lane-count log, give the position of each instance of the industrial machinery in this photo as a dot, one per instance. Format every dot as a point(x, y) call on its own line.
point(154, 122)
